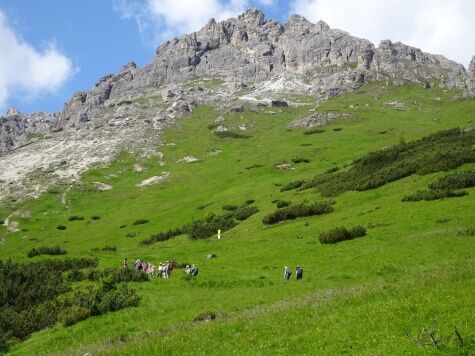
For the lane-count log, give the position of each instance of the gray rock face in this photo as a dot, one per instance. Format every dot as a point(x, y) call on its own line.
point(18, 130)
point(471, 77)
point(411, 64)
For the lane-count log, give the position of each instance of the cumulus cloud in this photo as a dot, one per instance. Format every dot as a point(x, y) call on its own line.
point(159, 20)
point(26, 71)
point(436, 26)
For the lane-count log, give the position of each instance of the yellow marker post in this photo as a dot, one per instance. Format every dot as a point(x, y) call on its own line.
point(219, 234)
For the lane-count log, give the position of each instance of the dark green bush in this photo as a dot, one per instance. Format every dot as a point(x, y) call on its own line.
point(56, 250)
point(106, 248)
point(163, 236)
point(207, 227)
point(300, 160)
point(61, 227)
point(314, 130)
point(95, 217)
point(76, 275)
point(248, 202)
point(282, 203)
point(229, 207)
point(337, 129)
point(456, 180)
point(230, 134)
point(296, 211)
point(341, 234)
point(292, 185)
point(441, 151)
point(244, 212)
point(76, 218)
point(433, 195)
point(140, 222)
point(73, 315)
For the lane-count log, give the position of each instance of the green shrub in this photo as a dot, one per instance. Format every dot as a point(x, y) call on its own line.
point(433, 195)
point(456, 180)
point(248, 202)
point(106, 248)
point(56, 250)
point(140, 222)
point(207, 227)
point(244, 213)
point(230, 134)
point(162, 236)
point(76, 218)
point(337, 129)
point(314, 130)
point(441, 151)
point(341, 234)
point(73, 315)
point(61, 227)
point(300, 160)
point(292, 185)
point(76, 275)
point(282, 203)
point(229, 207)
point(95, 217)
point(296, 211)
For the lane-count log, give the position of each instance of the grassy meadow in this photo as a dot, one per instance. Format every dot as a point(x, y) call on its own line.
point(404, 288)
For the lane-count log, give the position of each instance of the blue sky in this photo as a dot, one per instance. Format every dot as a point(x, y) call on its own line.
point(52, 48)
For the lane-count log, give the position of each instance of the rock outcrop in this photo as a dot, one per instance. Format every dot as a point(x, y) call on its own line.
point(17, 129)
point(471, 77)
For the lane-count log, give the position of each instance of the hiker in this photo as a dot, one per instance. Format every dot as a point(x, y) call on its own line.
point(151, 270)
point(188, 270)
point(138, 265)
point(126, 263)
point(161, 270)
point(170, 266)
point(299, 273)
point(194, 270)
point(287, 273)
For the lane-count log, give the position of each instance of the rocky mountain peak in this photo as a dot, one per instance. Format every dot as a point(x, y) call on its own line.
point(13, 111)
point(471, 77)
point(253, 17)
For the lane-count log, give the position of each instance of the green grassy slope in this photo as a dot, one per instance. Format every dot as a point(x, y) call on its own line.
point(370, 295)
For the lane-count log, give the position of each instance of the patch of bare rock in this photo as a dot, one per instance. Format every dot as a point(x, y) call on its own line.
point(154, 180)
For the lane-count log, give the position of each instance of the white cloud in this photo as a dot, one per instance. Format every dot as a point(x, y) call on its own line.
point(159, 20)
point(26, 71)
point(436, 26)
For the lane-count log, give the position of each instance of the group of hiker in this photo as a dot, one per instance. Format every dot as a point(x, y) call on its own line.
point(164, 270)
point(298, 273)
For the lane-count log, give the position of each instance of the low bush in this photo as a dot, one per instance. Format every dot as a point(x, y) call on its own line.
point(76, 218)
point(207, 227)
point(442, 151)
point(229, 207)
point(230, 134)
point(244, 213)
point(341, 234)
point(457, 180)
point(95, 217)
point(76, 275)
point(248, 202)
point(337, 129)
point(314, 130)
point(469, 231)
point(56, 250)
point(433, 195)
point(140, 222)
point(282, 203)
point(254, 166)
point(162, 236)
point(73, 315)
point(296, 211)
point(292, 185)
point(106, 248)
point(61, 227)
point(300, 160)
